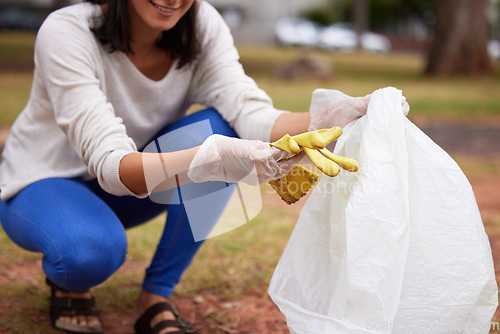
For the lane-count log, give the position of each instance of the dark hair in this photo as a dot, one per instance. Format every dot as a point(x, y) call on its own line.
point(180, 41)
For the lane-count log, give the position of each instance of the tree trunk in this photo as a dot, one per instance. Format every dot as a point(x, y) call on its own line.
point(361, 19)
point(460, 39)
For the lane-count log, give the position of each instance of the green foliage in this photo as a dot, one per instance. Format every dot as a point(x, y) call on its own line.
point(318, 15)
point(325, 14)
point(384, 13)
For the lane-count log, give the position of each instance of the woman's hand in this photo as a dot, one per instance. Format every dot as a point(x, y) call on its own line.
point(334, 108)
point(232, 160)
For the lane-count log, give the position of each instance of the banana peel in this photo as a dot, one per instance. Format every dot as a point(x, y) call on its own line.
point(294, 185)
point(324, 164)
point(287, 144)
point(313, 139)
point(348, 164)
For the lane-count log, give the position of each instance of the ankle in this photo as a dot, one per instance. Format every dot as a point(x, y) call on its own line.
point(147, 299)
point(73, 294)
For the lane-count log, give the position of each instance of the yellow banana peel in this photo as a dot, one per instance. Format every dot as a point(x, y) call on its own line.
point(348, 164)
point(287, 144)
point(330, 134)
point(299, 180)
point(312, 140)
point(324, 164)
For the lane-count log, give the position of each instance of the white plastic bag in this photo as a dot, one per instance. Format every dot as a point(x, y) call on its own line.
point(398, 247)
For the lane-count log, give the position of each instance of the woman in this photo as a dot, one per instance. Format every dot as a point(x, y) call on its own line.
point(110, 76)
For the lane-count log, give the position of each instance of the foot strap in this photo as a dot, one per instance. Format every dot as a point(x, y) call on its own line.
point(71, 307)
point(143, 324)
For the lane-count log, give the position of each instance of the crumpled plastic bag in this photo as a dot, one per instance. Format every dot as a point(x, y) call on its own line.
point(398, 247)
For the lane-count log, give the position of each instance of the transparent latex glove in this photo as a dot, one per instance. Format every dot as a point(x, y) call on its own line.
point(232, 160)
point(334, 108)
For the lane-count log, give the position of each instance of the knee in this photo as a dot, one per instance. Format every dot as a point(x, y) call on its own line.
point(217, 123)
point(82, 266)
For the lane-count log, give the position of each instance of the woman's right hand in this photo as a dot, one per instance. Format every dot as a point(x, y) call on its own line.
point(334, 108)
point(232, 160)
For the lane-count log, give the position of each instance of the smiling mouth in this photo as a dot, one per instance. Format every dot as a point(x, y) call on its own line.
point(163, 9)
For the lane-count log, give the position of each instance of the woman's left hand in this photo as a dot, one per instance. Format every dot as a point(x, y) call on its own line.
point(233, 160)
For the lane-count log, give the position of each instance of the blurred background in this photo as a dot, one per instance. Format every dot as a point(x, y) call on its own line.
point(443, 54)
point(352, 45)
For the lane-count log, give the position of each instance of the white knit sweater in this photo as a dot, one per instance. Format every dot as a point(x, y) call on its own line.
point(88, 108)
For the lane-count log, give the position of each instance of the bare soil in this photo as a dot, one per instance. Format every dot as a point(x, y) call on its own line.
point(257, 313)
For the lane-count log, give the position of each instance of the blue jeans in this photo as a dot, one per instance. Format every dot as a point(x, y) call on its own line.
point(80, 229)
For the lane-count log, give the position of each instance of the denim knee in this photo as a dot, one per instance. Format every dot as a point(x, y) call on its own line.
point(81, 266)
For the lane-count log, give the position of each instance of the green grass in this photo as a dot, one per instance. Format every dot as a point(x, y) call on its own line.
point(14, 93)
point(16, 46)
point(16, 62)
point(356, 74)
point(359, 74)
point(479, 168)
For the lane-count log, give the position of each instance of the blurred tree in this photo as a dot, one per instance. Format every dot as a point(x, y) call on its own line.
point(361, 18)
point(460, 39)
point(493, 14)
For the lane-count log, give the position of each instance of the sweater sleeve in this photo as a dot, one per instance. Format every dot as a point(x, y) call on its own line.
point(67, 55)
point(221, 82)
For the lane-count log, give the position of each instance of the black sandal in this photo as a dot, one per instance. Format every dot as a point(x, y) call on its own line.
point(143, 324)
point(70, 307)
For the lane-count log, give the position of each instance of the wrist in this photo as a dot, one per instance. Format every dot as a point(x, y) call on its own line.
point(292, 123)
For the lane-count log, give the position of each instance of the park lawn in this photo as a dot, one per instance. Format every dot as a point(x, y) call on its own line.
point(356, 74)
point(359, 74)
point(14, 93)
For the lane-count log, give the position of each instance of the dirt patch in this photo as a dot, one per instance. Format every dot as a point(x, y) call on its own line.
point(471, 140)
point(210, 315)
point(487, 193)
